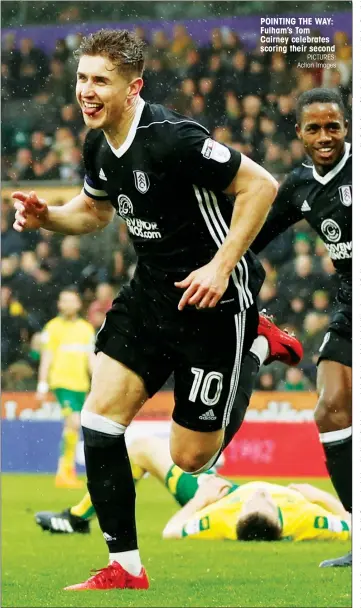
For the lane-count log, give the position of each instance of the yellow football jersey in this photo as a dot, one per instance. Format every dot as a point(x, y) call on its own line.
point(70, 343)
point(301, 519)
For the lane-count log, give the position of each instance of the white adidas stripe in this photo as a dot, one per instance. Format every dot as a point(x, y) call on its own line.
point(240, 321)
point(218, 230)
point(242, 265)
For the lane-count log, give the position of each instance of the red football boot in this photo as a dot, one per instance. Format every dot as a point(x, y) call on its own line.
point(282, 346)
point(112, 577)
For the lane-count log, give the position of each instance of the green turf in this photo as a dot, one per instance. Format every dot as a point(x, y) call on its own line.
point(37, 565)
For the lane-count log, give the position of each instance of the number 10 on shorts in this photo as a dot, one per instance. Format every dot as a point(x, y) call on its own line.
point(204, 385)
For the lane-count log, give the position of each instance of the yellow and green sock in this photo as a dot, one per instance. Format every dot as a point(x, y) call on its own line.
point(66, 464)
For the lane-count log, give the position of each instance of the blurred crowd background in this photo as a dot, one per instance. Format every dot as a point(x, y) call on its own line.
point(246, 99)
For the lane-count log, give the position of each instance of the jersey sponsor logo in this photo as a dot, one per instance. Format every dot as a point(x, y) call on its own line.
point(125, 205)
point(216, 151)
point(341, 251)
point(141, 181)
point(305, 207)
point(345, 195)
point(102, 175)
point(325, 340)
point(143, 229)
point(331, 230)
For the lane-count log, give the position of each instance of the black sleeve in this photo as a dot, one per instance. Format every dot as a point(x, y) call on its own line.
point(282, 215)
point(94, 186)
point(201, 160)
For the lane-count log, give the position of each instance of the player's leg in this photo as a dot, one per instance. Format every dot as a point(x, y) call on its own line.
point(71, 402)
point(128, 369)
point(206, 383)
point(270, 344)
point(152, 455)
point(333, 416)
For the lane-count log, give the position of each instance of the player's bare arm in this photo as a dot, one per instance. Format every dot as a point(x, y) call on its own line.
point(44, 367)
point(212, 490)
point(81, 215)
point(319, 497)
point(255, 190)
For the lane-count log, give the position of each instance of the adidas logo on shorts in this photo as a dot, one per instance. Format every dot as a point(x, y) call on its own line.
point(208, 416)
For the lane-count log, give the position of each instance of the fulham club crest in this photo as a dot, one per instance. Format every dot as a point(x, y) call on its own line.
point(346, 195)
point(141, 181)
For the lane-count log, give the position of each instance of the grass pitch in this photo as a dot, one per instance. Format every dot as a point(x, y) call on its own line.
point(37, 565)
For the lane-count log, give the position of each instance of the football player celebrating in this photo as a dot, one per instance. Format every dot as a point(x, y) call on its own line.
point(320, 191)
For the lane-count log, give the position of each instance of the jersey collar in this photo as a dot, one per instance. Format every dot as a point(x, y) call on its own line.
point(132, 131)
point(324, 179)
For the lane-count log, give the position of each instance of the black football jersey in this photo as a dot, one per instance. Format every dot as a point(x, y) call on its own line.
point(166, 181)
point(326, 203)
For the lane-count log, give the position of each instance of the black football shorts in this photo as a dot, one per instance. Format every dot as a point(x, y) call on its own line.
point(337, 343)
point(204, 350)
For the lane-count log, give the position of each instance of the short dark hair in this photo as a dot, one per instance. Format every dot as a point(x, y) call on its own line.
point(124, 49)
point(318, 96)
point(258, 527)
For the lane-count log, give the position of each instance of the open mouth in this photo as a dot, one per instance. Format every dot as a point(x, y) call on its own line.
point(325, 152)
point(92, 109)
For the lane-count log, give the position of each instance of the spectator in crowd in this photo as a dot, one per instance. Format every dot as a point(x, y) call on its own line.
point(39, 146)
point(321, 301)
point(300, 279)
point(61, 50)
point(269, 299)
point(302, 244)
point(10, 56)
point(22, 168)
point(180, 45)
point(58, 89)
point(15, 329)
point(198, 112)
point(286, 118)
point(266, 381)
point(70, 118)
point(71, 264)
point(257, 79)
point(71, 169)
point(193, 68)
point(8, 83)
point(295, 380)
point(159, 49)
point(237, 80)
point(104, 297)
point(11, 244)
point(49, 168)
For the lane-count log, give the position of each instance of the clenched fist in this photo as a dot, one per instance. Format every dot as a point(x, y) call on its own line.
point(31, 212)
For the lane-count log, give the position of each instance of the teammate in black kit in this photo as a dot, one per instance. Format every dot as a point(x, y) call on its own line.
point(320, 191)
point(193, 207)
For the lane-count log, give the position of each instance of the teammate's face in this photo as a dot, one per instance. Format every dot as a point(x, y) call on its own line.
point(322, 131)
point(69, 304)
point(103, 93)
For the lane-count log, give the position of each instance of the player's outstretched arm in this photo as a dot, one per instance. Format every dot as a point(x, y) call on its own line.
point(81, 215)
point(320, 497)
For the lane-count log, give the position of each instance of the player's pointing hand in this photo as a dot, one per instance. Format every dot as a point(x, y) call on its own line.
point(204, 286)
point(31, 211)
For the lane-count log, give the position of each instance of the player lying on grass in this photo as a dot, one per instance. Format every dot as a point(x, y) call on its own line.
point(216, 508)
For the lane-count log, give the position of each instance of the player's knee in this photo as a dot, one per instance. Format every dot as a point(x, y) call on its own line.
point(190, 461)
point(332, 411)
